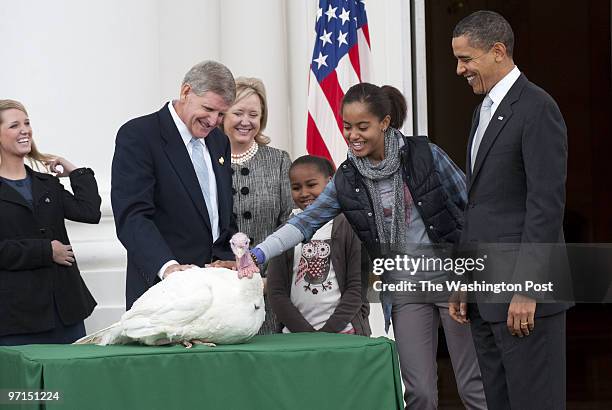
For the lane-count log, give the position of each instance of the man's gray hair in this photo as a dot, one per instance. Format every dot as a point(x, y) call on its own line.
point(214, 77)
point(485, 28)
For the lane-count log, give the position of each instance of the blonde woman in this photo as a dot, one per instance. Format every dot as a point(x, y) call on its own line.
point(44, 298)
point(260, 174)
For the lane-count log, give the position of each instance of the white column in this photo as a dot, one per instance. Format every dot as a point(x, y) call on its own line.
point(253, 44)
point(421, 65)
point(189, 32)
point(301, 17)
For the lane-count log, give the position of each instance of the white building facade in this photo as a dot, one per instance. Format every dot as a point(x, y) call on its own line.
point(83, 68)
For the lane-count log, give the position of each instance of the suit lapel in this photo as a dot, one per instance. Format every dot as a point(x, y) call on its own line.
point(7, 193)
point(181, 162)
point(504, 111)
point(499, 119)
point(219, 162)
point(40, 191)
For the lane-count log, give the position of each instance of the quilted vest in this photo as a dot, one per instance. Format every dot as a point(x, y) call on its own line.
point(420, 175)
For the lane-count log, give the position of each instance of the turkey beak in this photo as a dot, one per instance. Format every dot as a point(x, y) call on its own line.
point(240, 252)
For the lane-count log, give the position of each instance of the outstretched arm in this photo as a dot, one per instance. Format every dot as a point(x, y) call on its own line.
point(302, 226)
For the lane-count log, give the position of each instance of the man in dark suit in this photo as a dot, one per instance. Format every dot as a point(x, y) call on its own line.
point(171, 182)
point(516, 170)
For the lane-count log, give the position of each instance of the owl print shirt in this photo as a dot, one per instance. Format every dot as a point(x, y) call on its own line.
point(314, 287)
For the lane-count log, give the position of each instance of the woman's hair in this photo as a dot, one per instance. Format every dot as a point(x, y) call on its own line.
point(245, 87)
point(35, 157)
point(323, 165)
point(381, 101)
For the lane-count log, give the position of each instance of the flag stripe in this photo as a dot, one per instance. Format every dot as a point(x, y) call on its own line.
point(354, 56)
point(347, 74)
point(365, 58)
point(333, 94)
point(315, 144)
point(326, 123)
point(366, 34)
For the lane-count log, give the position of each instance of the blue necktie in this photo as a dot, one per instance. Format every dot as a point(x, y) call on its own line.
point(199, 164)
point(483, 123)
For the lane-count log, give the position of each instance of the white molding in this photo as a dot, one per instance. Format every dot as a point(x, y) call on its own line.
point(406, 63)
point(421, 66)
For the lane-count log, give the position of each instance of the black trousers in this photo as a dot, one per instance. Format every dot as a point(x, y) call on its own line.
point(521, 373)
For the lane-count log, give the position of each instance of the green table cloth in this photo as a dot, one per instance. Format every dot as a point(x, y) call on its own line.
point(291, 371)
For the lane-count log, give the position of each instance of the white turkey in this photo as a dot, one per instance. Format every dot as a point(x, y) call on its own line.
point(198, 305)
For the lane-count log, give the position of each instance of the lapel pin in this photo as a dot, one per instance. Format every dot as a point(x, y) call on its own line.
point(500, 118)
point(47, 200)
point(221, 160)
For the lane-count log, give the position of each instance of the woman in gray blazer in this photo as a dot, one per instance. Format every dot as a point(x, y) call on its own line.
point(260, 174)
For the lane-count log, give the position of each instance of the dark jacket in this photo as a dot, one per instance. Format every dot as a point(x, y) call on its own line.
point(30, 281)
point(346, 260)
point(442, 222)
point(160, 212)
point(516, 193)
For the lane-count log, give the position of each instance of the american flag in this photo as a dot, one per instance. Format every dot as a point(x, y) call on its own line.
point(341, 58)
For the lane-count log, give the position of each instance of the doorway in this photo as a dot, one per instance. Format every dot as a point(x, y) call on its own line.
point(565, 48)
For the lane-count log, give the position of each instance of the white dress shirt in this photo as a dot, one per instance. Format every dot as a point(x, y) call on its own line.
point(499, 91)
point(212, 182)
point(496, 94)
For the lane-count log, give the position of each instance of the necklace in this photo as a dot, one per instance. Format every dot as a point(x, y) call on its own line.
point(247, 155)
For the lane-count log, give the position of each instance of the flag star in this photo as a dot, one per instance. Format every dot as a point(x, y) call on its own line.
point(342, 39)
point(345, 15)
point(319, 13)
point(326, 38)
point(321, 60)
point(331, 13)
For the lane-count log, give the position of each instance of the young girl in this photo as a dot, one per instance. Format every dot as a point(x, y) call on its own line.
point(400, 195)
point(317, 286)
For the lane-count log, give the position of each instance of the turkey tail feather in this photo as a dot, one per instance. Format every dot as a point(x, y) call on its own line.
point(101, 337)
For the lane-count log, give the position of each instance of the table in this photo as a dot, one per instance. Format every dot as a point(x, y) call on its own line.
point(288, 372)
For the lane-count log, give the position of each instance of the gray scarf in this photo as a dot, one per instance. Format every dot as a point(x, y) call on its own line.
point(394, 237)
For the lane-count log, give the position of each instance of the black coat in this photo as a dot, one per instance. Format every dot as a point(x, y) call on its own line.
point(516, 194)
point(29, 279)
point(160, 212)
